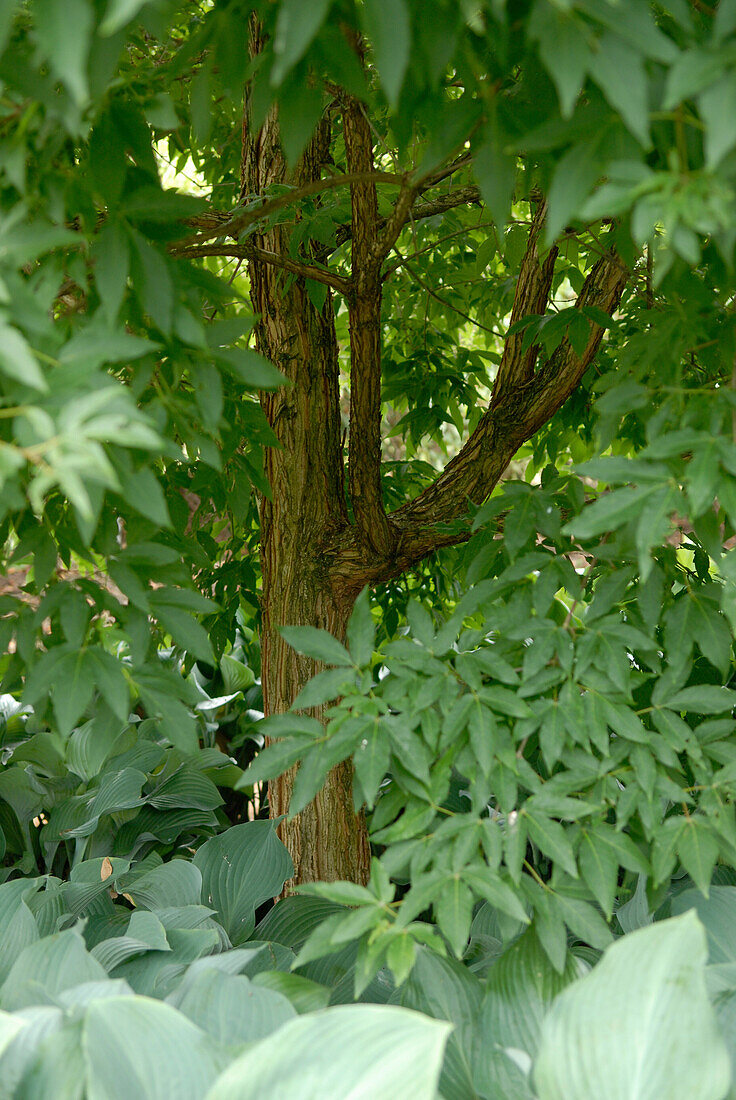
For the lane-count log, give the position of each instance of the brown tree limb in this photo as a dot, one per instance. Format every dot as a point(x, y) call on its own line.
point(532, 294)
point(238, 223)
point(520, 406)
point(364, 309)
point(248, 250)
point(463, 196)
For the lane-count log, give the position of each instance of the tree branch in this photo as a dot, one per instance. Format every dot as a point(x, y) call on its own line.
point(464, 196)
point(364, 308)
point(236, 224)
point(248, 250)
point(532, 294)
point(521, 404)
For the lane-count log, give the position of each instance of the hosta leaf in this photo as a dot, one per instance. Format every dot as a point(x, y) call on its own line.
point(230, 1007)
point(444, 989)
point(48, 967)
point(292, 920)
point(343, 1052)
point(605, 1035)
point(176, 883)
point(717, 913)
point(520, 987)
point(135, 1046)
point(240, 869)
point(18, 927)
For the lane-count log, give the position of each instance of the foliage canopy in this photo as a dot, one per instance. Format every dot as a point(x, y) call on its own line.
point(447, 330)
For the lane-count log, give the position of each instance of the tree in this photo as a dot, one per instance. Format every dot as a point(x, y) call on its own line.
point(557, 125)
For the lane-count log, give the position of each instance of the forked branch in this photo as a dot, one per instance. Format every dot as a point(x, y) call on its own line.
point(523, 400)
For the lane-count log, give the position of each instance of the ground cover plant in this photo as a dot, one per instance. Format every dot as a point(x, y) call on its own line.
point(367, 514)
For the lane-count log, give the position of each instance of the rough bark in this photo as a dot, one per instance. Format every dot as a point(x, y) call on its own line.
point(307, 506)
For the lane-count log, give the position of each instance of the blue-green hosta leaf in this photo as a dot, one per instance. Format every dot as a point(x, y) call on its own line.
point(240, 869)
point(158, 973)
point(445, 990)
point(343, 1053)
point(520, 987)
point(18, 927)
point(47, 967)
point(606, 1034)
point(186, 787)
point(230, 1007)
point(138, 1047)
point(177, 883)
point(29, 1060)
point(717, 913)
point(292, 920)
point(145, 932)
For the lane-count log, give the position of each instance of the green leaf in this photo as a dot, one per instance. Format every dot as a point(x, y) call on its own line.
point(698, 851)
point(716, 912)
point(240, 869)
point(610, 511)
point(18, 928)
point(703, 699)
point(497, 893)
point(229, 1006)
point(296, 27)
point(619, 72)
point(64, 32)
point(316, 643)
point(495, 171)
point(183, 628)
point(343, 1052)
point(584, 920)
point(446, 990)
point(361, 632)
point(250, 368)
point(454, 912)
point(520, 987)
point(602, 1037)
point(323, 687)
point(564, 48)
point(46, 968)
point(304, 995)
point(371, 760)
point(17, 360)
point(118, 13)
point(551, 838)
point(389, 30)
point(599, 868)
point(73, 689)
point(133, 1044)
point(572, 182)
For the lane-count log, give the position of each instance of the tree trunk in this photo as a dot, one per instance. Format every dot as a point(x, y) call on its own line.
point(328, 840)
point(314, 560)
